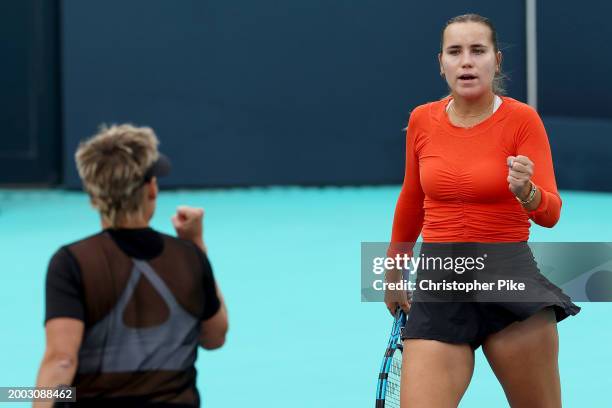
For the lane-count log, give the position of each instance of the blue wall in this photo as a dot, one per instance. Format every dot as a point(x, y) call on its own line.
point(30, 141)
point(267, 92)
point(574, 60)
point(582, 152)
point(575, 90)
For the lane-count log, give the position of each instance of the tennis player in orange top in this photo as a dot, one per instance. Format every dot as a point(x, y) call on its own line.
point(478, 169)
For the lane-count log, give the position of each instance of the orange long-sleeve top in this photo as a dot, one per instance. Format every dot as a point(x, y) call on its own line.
point(455, 187)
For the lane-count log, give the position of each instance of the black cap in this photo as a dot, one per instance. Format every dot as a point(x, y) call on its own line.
point(160, 168)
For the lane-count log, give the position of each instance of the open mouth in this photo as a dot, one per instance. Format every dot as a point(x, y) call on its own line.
point(467, 77)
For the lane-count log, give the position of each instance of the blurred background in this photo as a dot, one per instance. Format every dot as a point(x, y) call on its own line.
point(284, 120)
point(320, 89)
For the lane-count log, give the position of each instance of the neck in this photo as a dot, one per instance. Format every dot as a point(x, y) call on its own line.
point(468, 107)
point(132, 224)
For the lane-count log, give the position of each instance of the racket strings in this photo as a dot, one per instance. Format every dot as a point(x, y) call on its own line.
point(388, 390)
point(392, 397)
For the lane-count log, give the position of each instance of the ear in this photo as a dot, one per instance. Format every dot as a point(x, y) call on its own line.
point(152, 189)
point(440, 63)
point(498, 60)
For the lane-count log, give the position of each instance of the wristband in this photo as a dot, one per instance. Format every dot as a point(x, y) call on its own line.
point(531, 195)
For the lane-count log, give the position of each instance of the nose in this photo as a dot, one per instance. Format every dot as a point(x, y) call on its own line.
point(466, 59)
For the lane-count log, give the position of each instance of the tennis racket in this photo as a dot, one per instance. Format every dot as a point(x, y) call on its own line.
point(388, 388)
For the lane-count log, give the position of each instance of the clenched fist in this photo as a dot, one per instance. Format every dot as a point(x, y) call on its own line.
point(520, 171)
point(188, 224)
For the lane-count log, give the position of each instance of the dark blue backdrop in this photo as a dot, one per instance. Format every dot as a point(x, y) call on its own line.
point(575, 90)
point(30, 140)
point(270, 92)
point(574, 60)
point(266, 92)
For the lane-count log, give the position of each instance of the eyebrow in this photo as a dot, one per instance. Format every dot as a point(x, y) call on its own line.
point(452, 47)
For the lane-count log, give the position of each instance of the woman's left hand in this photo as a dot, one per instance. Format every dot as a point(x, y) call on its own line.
point(520, 170)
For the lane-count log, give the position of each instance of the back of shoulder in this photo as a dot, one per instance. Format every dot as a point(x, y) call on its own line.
point(179, 244)
point(84, 244)
point(186, 254)
point(175, 246)
point(63, 259)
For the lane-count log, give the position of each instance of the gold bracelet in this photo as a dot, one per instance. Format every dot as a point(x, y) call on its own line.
point(531, 195)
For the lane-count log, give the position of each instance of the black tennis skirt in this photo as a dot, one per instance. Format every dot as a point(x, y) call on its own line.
point(467, 291)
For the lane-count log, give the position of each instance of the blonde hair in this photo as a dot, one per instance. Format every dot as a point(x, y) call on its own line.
point(112, 165)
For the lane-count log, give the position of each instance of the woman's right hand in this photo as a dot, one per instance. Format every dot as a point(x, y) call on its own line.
point(397, 298)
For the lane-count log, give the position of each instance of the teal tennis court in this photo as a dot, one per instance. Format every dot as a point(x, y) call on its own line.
point(288, 262)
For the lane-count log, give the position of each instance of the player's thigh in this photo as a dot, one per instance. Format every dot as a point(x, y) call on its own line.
point(434, 373)
point(524, 357)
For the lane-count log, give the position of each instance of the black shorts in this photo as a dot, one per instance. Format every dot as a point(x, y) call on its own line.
point(469, 317)
point(471, 323)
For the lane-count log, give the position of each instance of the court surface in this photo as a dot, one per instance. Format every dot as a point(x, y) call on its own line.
point(288, 261)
